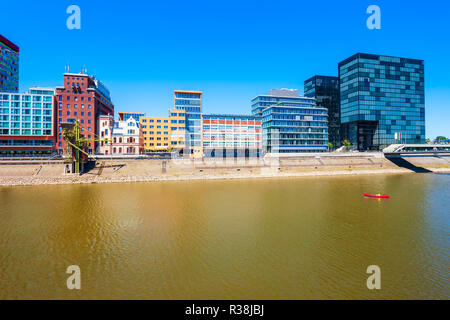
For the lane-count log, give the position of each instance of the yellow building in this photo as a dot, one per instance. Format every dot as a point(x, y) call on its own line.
point(164, 133)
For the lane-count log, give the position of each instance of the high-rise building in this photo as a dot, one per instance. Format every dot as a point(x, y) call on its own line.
point(291, 123)
point(85, 99)
point(231, 135)
point(191, 103)
point(164, 133)
point(9, 66)
point(382, 100)
point(325, 90)
point(27, 122)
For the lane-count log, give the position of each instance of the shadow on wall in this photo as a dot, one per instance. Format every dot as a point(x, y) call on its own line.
point(401, 162)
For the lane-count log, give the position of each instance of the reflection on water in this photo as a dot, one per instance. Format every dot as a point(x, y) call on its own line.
point(305, 238)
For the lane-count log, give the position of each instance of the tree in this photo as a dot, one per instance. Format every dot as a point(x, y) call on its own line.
point(428, 140)
point(440, 138)
point(330, 146)
point(346, 144)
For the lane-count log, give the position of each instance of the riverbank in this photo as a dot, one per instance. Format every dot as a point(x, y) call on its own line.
point(18, 174)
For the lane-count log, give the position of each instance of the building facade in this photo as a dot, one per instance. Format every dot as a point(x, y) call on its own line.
point(259, 103)
point(164, 133)
point(82, 98)
point(325, 90)
point(291, 123)
point(382, 100)
point(191, 103)
point(124, 116)
point(119, 137)
point(9, 66)
point(27, 122)
point(231, 135)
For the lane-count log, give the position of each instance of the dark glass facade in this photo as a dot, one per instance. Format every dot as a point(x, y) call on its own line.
point(9, 66)
point(382, 101)
point(325, 90)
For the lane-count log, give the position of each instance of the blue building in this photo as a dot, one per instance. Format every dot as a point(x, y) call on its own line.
point(9, 66)
point(382, 100)
point(291, 123)
point(325, 90)
point(27, 121)
point(191, 103)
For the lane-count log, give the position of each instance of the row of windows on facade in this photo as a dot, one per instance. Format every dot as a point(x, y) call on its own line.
point(82, 129)
point(159, 144)
point(75, 98)
point(18, 97)
point(25, 132)
point(121, 140)
point(144, 126)
point(158, 138)
point(75, 106)
point(159, 132)
point(160, 121)
point(131, 150)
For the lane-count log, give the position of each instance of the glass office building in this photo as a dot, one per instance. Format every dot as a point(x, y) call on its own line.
point(191, 103)
point(275, 96)
point(27, 121)
point(291, 123)
point(9, 66)
point(382, 101)
point(325, 90)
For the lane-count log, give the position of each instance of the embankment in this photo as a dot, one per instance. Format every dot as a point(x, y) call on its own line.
point(13, 173)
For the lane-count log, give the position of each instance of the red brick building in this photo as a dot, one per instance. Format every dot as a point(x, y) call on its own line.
point(82, 98)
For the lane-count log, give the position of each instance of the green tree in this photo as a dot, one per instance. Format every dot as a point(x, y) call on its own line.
point(428, 140)
point(440, 138)
point(346, 144)
point(330, 146)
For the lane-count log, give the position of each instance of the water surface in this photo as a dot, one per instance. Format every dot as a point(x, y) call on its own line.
point(302, 238)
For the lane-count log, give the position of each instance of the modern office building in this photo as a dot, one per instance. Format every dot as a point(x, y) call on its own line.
point(325, 90)
point(121, 137)
point(382, 100)
point(27, 122)
point(82, 98)
point(275, 96)
point(231, 135)
point(164, 133)
point(9, 66)
point(291, 123)
point(191, 103)
point(124, 116)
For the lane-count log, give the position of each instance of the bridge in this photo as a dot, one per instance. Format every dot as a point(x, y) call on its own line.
point(398, 154)
point(417, 150)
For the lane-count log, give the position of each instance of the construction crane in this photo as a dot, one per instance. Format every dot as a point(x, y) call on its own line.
point(76, 145)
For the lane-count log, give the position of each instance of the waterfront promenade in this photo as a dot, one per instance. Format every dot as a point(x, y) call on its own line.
point(16, 173)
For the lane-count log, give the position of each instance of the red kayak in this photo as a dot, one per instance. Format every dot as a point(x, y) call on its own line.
point(378, 196)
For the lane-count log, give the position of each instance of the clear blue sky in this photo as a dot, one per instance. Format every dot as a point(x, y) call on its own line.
point(231, 50)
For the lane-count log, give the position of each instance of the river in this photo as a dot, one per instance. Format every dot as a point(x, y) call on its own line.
point(302, 238)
